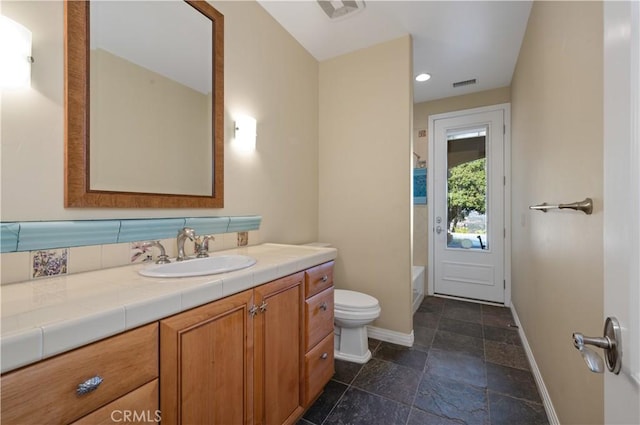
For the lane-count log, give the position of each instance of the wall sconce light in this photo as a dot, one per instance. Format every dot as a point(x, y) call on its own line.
point(15, 54)
point(245, 133)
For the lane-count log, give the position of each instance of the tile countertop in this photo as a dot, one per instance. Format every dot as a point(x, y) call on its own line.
point(45, 317)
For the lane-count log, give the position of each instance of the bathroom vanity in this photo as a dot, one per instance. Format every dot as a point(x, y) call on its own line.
point(248, 347)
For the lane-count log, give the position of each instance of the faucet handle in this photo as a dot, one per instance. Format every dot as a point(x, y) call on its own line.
point(202, 245)
point(163, 258)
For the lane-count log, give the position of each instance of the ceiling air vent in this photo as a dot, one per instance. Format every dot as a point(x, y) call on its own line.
point(465, 83)
point(338, 9)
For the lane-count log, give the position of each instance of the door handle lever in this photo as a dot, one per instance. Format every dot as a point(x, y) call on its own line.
point(610, 343)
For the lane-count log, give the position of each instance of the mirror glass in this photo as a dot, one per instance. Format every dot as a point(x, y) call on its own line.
point(144, 94)
point(150, 90)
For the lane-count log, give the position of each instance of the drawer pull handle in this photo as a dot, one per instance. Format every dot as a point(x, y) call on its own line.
point(323, 306)
point(89, 385)
point(325, 278)
point(324, 356)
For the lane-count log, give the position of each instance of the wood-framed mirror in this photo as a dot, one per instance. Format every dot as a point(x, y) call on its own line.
point(142, 130)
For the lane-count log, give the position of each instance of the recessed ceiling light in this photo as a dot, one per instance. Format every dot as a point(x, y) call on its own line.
point(423, 77)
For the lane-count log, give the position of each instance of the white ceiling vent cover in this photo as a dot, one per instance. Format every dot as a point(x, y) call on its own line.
point(340, 9)
point(465, 83)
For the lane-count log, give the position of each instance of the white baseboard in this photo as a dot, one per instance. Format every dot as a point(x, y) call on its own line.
point(544, 393)
point(390, 336)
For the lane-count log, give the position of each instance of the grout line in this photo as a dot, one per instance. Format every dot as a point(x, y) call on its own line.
point(336, 403)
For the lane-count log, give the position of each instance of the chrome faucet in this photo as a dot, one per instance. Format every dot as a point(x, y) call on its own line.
point(186, 232)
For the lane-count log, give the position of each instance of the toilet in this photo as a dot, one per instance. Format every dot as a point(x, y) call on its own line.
point(353, 311)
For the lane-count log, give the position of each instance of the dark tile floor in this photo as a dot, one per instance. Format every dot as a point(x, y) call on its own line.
point(467, 366)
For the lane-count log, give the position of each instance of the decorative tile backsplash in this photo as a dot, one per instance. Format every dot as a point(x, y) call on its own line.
point(243, 238)
point(50, 262)
point(141, 252)
point(75, 257)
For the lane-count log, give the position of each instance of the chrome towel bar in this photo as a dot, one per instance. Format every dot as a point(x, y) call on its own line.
point(585, 206)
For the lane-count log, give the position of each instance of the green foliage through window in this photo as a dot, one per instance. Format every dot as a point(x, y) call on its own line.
point(467, 191)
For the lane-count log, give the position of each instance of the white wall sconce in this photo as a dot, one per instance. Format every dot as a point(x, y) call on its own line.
point(15, 55)
point(245, 133)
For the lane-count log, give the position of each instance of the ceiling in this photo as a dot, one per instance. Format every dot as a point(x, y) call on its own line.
point(452, 40)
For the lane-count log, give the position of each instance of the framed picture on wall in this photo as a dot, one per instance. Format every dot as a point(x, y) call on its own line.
point(419, 186)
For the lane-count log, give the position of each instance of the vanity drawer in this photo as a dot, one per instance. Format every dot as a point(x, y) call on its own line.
point(318, 278)
point(318, 317)
point(139, 406)
point(319, 368)
point(45, 392)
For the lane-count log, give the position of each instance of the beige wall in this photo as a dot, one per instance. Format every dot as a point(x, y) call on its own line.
point(557, 130)
point(365, 169)
point(268, 75)
point(421, 112)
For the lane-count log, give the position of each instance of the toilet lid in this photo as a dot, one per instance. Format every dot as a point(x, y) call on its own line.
point(351, 300)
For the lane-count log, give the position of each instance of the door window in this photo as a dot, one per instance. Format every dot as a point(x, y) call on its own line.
point(467, 214)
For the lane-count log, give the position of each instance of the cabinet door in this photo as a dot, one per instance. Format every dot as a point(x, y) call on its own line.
point(279, 359)
point(206, 363)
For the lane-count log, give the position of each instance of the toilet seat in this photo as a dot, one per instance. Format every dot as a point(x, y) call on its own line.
point(352, 301)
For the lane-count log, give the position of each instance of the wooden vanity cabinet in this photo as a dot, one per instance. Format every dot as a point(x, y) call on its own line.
point(238, 360)
point(46, 392)
point(261, 356)
point(319, 360)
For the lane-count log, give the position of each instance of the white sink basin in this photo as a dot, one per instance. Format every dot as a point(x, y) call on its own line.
point(199, 266)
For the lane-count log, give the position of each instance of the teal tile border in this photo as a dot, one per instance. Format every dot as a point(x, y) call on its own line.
point(208, 225)
point(62, 234)
point(139, 230)
point(32, 235)
point(242, 224)
point(9, 237)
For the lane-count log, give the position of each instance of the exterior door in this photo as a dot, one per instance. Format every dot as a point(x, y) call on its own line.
point(622, 203)
point(468, 229)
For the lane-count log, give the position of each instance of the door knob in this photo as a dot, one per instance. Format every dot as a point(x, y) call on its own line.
point(610, 343)
point(438, 229)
